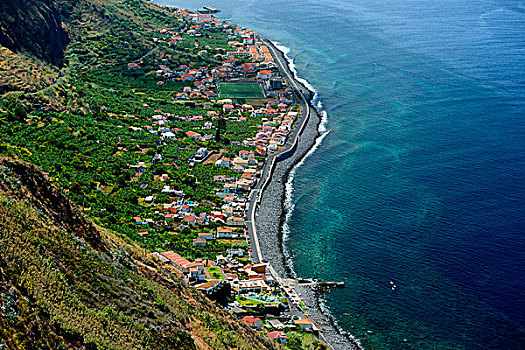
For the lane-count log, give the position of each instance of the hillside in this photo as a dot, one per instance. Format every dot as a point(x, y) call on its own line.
point(33, 26)
point(125, 177)
point(66, 284)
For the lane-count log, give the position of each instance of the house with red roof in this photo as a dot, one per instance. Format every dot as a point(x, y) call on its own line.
point(253, 322)
point(223, 232)
point(192, 134)
point(265, 74)
point(199, 242)
point(235, 221)
point(305, 323)
point(277, 336)
point(228, 108)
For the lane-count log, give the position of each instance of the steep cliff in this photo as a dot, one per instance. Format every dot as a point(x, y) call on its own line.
point(34, 26)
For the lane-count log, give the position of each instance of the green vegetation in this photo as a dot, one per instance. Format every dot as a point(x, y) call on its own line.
point(240, 90)
point(83, 136)
point(215, 273)
point(64, 282)
point(303, 340)
point(114, 135)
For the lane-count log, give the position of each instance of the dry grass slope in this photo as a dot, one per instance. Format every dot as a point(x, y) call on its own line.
point(21, 72)
point(65, 284)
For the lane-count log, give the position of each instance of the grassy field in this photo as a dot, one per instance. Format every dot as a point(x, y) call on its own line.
point(240, 90)
point(215, 273)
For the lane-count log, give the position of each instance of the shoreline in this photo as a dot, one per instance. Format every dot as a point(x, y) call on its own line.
point(271, 217)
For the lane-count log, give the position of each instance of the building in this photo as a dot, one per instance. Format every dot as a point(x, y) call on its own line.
point(223, 232)
point(199, 242)
point(201, 154)
point(253, 322)
point(209, 286)
point(206, 235)
point(305, 323)
point(168, 135)
point(277, 336)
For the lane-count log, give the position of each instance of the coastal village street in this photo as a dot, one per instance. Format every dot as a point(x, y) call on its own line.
point(264, 287)
point(172, 145)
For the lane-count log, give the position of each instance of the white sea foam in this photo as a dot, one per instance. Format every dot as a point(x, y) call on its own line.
point(289, 204)
point(286, 50)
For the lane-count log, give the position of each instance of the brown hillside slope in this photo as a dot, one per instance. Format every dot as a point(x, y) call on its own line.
point(64, 284)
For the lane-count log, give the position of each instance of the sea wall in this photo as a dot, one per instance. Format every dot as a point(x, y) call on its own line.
point(270, 216)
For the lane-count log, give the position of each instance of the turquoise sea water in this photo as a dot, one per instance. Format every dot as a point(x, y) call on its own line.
point(421, 180)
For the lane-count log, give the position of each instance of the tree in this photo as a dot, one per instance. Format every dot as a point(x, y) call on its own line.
point(221, 129)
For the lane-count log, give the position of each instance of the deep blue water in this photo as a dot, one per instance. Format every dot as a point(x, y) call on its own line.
point(421, 180)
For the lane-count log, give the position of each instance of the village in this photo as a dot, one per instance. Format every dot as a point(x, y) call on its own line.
point(246, 87)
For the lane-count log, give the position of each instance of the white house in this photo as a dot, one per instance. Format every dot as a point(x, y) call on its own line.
point(168, 135)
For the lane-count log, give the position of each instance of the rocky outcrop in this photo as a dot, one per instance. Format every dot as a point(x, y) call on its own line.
point(33, 26)
point(33, 185)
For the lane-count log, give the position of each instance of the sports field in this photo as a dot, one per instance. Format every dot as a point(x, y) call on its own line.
point(240, 90)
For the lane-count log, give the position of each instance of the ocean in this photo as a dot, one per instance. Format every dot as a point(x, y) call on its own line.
point(420, 180)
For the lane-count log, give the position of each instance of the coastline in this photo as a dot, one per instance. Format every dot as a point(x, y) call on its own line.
point(272, 212)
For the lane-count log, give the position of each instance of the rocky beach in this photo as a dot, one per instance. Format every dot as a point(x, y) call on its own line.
point(270, 216)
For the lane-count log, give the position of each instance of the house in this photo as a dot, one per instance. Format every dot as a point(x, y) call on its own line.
point(181, 96)
point(178, 261)
point(227, 162)
point(209, 287)
point(190, 219)
point(133, 66)
point(278, 336)
point(235, 221)
point(143, 233)
point(193, 134)
point(223, 232)
point(253, 322)
point(196, 272)
point(305, 323)
point(229, 199)
point(199, 242)
point(220, 178)
point(265, 74)
point(206, 235)
point(168, 135)
point(240, 161)
point(227, 108)
point(256, 286)
point(201, 154)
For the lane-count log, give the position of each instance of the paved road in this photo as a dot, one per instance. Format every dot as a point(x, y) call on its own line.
point(60, 77)
point(293, 138)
